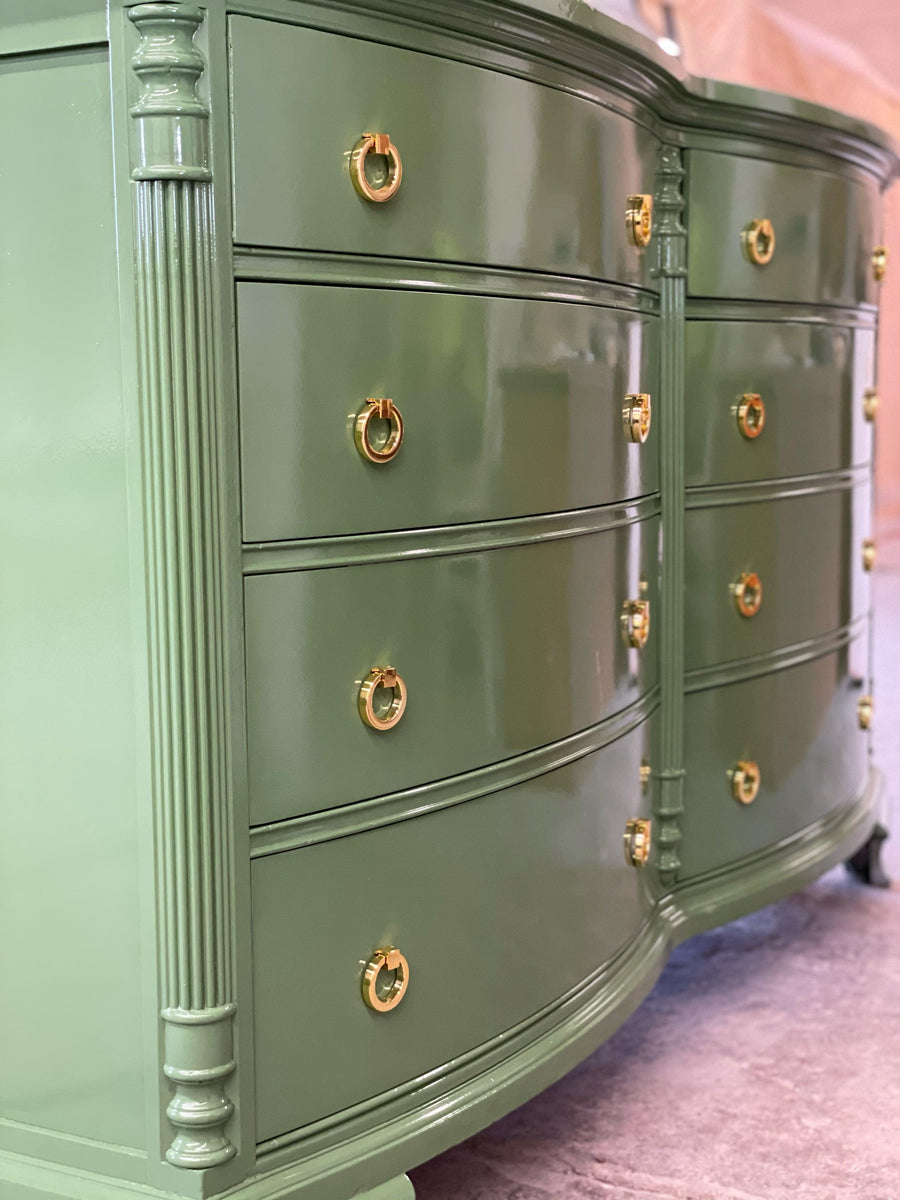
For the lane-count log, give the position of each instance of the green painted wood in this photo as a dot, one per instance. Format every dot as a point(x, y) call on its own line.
point(510, 407)
point(804, 594)
point(69, 906)
point(826, 227)
point(488, 674)
point(811, 378)
point(800, 726)
point(561, 899)
point(558, 168)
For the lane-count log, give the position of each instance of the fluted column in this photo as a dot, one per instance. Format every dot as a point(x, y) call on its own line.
point(671, 238)
point(179, 403)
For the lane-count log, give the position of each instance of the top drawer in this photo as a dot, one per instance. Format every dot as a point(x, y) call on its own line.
point(494, 169)
point(825, 227)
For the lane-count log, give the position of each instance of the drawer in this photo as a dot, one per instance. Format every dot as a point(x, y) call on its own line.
point(500, 651)
point(494, 169)
point(806, 551)
point(500, 905)
point(811, 380)
point(800, 727)
point(509, 407)
point(826, 227)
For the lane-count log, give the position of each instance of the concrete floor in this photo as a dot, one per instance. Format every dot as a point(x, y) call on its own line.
point(765, 1065)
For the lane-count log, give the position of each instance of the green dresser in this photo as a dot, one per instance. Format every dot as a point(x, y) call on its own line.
point(437, 492)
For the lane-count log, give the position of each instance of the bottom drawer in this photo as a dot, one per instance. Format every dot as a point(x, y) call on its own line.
point(800, 727)
point(500, 905)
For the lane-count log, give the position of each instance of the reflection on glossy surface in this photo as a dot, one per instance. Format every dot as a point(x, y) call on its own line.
point(499, 905)
point(800, 726)
point(511, 407)
point(807, 594)
point(496, 170)
point(502, 651)
point(811, 379)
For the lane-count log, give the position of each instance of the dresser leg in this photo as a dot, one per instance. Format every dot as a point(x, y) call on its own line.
point(866, 862)
point(400, 1188)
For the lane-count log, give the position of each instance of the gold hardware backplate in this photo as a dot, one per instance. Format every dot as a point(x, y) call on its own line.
point(384, 410)
point(758, 239)
point(748, 593)
point(879, 263)
point(382, 677)
point(870, 404)
point(637, 416)
point(745, 781)
point(636, 623)
point(751, 415)
point(638, 837)
point(869, 554)
point(864, 711)
point(639, 220)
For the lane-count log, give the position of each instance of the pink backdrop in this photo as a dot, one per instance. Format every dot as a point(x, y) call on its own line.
point(844, 55)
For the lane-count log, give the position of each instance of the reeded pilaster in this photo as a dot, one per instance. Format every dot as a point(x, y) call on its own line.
point(180, 414)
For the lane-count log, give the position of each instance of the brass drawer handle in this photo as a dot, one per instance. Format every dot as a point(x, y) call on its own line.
point(636, 623)
point(864, 710)
point(382, 677)
point(636, 417)
point(384, 410)
point(751, 415)
point(386, 958)
point(380, 144)
point(870, 404)
point(639, 219)
point(869, 554)
point(748, 593)
point(638, 838)
point(745, 781)
point(879, 263)
point(758, 239)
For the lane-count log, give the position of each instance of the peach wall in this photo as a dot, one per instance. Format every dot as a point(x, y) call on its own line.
point(845, 55)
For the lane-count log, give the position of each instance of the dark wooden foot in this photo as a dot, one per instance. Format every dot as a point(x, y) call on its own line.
point(866, 862)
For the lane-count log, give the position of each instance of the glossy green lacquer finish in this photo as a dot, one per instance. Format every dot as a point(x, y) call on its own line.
point(69, 931)
point(510, 407)
point(800, 726)
point(500, 905)
point(811, 378)
point(826, 227)
point(501, 651)
point(543, 184)
point(804, 596)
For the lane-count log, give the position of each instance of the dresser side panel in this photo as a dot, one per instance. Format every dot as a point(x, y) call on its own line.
point(70, 995)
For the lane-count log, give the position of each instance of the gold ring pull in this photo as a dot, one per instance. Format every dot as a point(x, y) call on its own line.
point(387, 958)
point(636, 416)
point(638, 837)
point(745, 781)
point(382, 677)
point(383, 410)
point(639, 220)
point(748, 593)
point(869, 554)
point(380, 144)
point(864, 710)
point(636, 623)
point(879, 263)
point(870, 404)
point(751, 415)
point(759, 241)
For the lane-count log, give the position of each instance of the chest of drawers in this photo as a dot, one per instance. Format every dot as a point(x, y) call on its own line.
point(438, 485)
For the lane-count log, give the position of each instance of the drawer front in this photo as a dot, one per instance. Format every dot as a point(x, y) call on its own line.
point(807, 554)
point(501, 651)
point(509, 407)
point(812, 381)
point(500, 905)
point(494, 169)
point(800, 727)
point(825, 227)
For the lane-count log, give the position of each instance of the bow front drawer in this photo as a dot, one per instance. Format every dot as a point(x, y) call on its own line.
point(505, 407)
point(496, 652)
point(770, 400)
point(480, 167)
point(768, 231)
point(499, 906)
point(768, 574)
point(796, 739)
